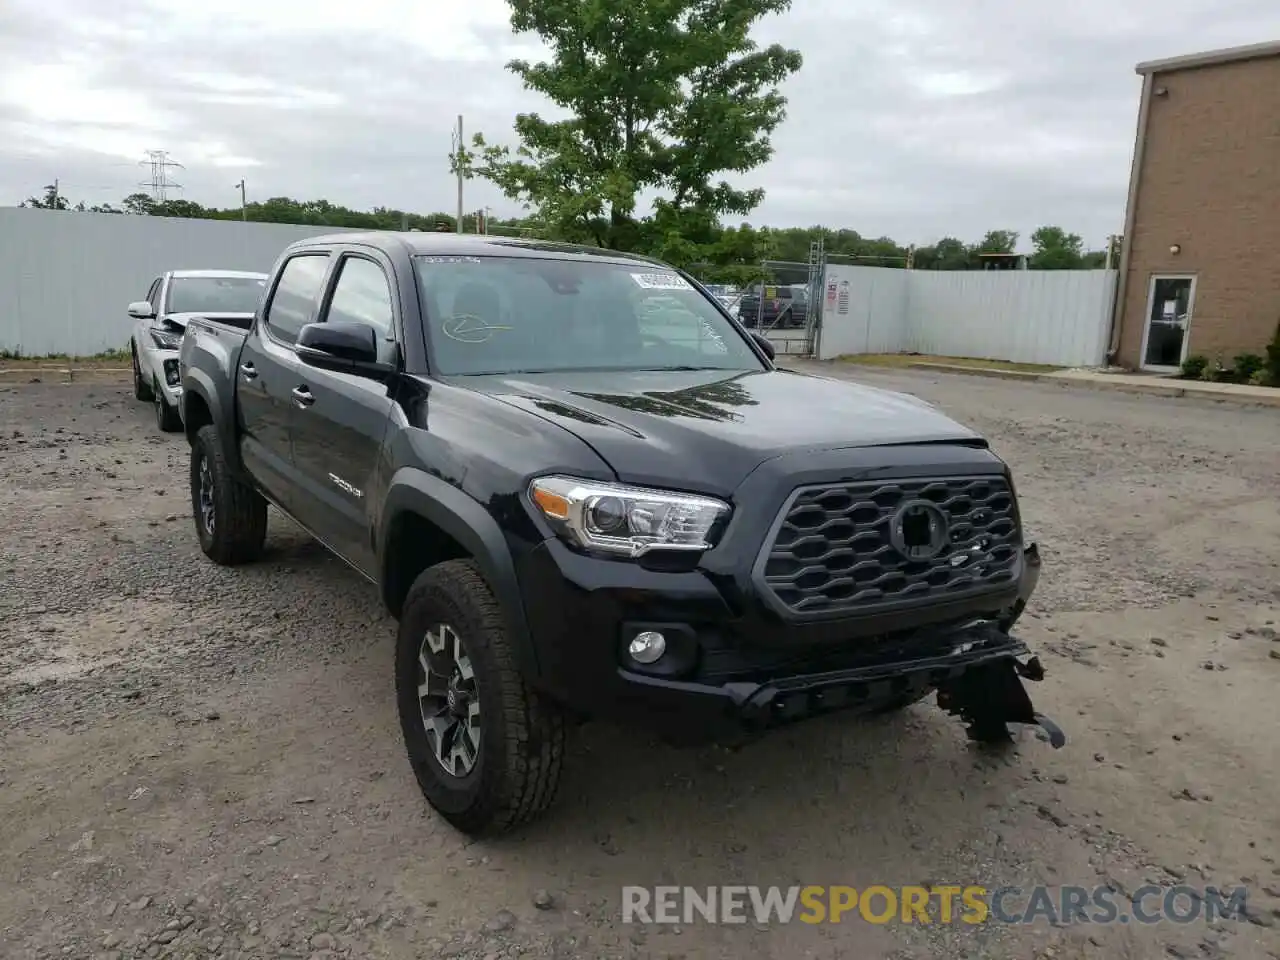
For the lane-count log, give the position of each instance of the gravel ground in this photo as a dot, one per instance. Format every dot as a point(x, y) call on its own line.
point(198, 762)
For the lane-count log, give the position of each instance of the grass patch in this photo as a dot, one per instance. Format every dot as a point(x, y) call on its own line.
point(902, 360)
point(16, 360)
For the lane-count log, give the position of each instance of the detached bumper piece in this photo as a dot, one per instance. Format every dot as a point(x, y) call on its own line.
point(990, 696)
point(980, 682)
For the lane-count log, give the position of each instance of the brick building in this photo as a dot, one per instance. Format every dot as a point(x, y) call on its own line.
point(1200, 265)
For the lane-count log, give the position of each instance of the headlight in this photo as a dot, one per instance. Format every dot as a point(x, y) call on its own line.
point(627, 521)
point(166, 339)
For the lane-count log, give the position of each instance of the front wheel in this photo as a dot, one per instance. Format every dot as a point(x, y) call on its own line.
point(486, 748)
point(141, 390)
point(167, 418)
point(230, 516)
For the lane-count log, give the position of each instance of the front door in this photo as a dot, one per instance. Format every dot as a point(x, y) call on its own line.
point(1169, 305)
point(338, 434)
point(267, 372)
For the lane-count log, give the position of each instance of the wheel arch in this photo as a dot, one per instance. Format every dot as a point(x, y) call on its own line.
point(201, 406)
point(426, 520)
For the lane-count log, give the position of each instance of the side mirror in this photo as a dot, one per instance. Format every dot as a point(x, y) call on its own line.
point(342, 346)
point(764, 345)
point(141, 310)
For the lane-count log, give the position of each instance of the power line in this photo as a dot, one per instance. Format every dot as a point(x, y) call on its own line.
point(160, 184)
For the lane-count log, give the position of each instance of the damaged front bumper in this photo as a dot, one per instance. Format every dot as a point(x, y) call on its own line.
point(979, 681)
point(977, 670)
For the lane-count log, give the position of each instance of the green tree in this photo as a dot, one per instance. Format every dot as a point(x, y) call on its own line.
point(139, 204)
point(998, 241)
point(52, 200)
point(664, 96)
point(1055, 249)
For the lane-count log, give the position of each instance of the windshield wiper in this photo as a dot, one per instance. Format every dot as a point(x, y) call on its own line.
point(680, 367)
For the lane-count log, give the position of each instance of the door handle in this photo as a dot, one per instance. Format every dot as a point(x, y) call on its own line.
point(303, 397)
point(249, 371)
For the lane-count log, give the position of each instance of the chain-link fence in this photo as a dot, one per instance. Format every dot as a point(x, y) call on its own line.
point(778, 300)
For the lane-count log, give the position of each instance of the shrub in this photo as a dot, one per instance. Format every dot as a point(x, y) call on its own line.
point(1247, 364)
point(1272, 363)
point(1194, 367)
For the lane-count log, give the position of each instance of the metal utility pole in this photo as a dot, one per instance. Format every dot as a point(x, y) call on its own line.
point(55, 193)
point(457, 158)
point(1112, 242)
point(159, 183)
point(244, 212)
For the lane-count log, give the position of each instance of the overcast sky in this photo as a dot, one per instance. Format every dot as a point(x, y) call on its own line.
point(932, 118)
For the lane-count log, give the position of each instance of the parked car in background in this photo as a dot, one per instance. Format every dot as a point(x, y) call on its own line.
point(174, 298)
point(784, 306)
point(726, 293)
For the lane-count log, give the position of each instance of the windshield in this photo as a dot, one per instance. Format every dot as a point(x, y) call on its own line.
point(526, 315)
point(214, 294)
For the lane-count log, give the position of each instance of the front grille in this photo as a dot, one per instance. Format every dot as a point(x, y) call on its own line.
point(834, 550)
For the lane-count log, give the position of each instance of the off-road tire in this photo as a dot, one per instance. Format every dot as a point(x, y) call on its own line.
point(522, 740)
point(141, 389)
point(240, 513)
point(168, 419)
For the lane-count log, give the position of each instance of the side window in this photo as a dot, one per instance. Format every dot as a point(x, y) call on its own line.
point(294, 298)
point(666, 322)
point(153, 295)
point(362, 295)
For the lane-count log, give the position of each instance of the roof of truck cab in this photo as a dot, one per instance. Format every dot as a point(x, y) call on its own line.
point(249, 274)
point(422, 244)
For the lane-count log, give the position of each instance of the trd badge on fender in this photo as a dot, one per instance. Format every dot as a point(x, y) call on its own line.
point(343, 485)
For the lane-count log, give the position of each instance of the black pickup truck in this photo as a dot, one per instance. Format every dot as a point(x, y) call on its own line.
point(585, 491)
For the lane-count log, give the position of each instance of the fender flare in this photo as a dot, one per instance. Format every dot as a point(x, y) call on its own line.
point(198, 383)
point(467, 521)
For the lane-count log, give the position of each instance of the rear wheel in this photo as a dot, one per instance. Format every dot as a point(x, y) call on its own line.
point(230, 516)
point(141, 389)
point(486, 748)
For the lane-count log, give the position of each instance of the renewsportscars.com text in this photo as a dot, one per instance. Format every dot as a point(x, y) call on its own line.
point(927, 905)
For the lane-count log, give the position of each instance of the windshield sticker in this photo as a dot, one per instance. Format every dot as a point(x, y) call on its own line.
point(468, 328)
point(661, 281)
point(449, 259)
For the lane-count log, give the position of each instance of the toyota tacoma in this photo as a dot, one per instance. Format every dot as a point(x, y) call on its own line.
point(585, 491)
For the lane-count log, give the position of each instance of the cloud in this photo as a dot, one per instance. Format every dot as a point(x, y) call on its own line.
point(942, 118)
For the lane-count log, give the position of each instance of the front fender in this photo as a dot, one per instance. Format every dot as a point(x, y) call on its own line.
point(198, 388)
point(471, 525)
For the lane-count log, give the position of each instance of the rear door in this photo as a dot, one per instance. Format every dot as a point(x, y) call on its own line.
point(268, 373)
point(338, 434)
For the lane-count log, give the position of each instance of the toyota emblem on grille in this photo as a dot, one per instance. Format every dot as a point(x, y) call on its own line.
point(918, 530)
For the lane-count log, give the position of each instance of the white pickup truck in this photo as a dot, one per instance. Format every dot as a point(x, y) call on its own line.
point(230, 296)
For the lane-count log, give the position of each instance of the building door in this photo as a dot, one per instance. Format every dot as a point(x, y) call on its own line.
point(1170, 301)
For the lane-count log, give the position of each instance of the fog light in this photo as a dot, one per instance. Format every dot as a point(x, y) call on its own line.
point(647, 647)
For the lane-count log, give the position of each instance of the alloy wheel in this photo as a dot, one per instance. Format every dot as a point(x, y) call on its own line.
point(205, 496)
point(449, 700)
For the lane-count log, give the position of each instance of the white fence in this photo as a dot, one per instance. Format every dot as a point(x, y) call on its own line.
point(66, 278)
point(1059, 317)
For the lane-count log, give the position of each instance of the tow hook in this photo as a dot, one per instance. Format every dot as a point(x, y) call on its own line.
point(990, 696)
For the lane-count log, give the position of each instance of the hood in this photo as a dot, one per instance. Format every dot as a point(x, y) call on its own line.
point(710, 428)
point(180, 320)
